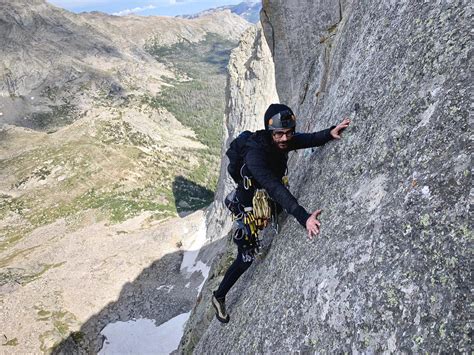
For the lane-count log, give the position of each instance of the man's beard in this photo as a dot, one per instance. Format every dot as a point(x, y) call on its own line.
point(281, 145)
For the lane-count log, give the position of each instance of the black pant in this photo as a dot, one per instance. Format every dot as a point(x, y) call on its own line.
point(239, 266)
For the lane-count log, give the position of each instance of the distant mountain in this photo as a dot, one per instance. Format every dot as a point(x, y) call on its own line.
point(249, 10)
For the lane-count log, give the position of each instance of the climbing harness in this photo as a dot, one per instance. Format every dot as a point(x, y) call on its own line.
point(246, 232)
point(249, 220)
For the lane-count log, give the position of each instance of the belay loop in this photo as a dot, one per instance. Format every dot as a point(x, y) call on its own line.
point(262, 211)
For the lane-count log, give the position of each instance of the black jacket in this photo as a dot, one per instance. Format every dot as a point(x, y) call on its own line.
point(267, 164)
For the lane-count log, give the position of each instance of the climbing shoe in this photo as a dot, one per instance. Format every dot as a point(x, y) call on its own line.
point(219, 306)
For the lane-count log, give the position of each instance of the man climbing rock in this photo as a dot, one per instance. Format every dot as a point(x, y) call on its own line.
point(263, 165)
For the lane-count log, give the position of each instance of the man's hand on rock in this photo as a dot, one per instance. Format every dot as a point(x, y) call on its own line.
point(336, 132)
point(312, 224)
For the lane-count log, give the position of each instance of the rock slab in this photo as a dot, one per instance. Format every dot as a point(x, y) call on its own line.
point(390, 270)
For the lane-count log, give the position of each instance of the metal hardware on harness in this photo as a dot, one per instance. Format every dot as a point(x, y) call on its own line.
point(247, 257)
point(237, 235)
point(247, 224)
point(246, 180)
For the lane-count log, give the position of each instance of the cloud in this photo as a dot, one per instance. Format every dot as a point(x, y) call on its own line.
point(134, 10)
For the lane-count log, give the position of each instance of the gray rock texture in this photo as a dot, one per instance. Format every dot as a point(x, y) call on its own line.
point(390, 269)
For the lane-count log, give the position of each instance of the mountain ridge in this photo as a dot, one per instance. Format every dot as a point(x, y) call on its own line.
point(249, 10)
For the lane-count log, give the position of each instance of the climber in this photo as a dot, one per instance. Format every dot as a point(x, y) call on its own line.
point(265, 164)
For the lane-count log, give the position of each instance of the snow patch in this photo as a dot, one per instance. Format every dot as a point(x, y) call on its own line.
point(189, 264)
point(142, 336)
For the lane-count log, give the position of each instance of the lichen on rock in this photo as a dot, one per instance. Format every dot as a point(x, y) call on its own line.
point(389, 271)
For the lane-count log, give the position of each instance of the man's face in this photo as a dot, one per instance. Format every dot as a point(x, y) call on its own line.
point(281, 137)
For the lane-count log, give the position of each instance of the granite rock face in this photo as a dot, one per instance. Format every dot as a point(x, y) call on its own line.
point(390, 269)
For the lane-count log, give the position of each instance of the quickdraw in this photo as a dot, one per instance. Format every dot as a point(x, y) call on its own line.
point(246, 222)
point(247, 182)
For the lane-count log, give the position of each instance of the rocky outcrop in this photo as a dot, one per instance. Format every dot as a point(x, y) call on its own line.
point(390, 269)
point(250, 89)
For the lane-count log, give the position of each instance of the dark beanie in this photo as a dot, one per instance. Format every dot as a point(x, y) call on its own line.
point(272, 110)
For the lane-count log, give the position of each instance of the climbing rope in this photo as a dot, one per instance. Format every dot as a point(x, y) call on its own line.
point(262, 211)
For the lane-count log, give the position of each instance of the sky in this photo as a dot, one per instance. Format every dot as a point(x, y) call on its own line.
point(143, 7)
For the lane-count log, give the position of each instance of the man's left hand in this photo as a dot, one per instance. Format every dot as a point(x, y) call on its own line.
point(336, 132)
point(313, 225)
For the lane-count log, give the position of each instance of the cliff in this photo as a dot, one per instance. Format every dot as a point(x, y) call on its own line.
point(389, 271)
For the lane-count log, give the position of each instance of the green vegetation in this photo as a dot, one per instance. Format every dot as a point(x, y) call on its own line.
point(62, 322)
point(94, 175)
point(58, 116)
point(23, 277)
point(78, 337)
point(121, 206)
point(11, 342)
point(197, 100)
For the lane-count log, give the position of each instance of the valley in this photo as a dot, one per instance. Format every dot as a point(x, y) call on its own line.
point(110, 136)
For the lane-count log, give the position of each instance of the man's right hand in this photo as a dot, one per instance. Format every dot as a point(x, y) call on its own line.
point(336, 132)
point(313, 225)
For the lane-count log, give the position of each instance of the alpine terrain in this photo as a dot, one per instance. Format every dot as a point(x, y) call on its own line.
point(110, 134)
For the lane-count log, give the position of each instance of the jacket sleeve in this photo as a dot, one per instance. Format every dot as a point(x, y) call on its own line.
point(258, 167)
point(309, 140)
